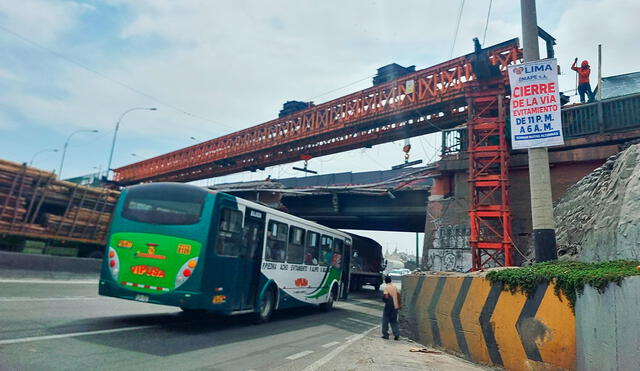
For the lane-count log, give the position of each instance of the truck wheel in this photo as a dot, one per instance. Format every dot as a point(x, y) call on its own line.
point(265, 307)
point(97, 254)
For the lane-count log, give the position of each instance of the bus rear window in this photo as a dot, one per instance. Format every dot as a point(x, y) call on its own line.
point(164, 204)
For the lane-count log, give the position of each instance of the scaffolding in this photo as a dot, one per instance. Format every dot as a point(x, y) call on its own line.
point(489, 209)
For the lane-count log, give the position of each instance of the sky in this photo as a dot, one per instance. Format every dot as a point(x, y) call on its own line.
point(213, 67)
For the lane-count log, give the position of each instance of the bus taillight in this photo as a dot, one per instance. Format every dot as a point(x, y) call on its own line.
point(114, 262)
point(185, 271)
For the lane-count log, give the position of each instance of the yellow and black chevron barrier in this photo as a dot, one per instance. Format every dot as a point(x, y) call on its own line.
point(476, 319)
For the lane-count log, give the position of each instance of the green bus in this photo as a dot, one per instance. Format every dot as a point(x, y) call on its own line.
point(193, 248)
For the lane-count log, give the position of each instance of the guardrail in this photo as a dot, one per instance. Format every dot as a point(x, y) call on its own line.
point(609, 115)
point(604, 116)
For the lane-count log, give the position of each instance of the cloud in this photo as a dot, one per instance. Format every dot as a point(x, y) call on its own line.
point(41, 20)
point(236, 63)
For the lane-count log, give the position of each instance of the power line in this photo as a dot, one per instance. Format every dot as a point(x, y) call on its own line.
point(455, 34)
point(340, 88)
point(112, 80)
point(486, 26)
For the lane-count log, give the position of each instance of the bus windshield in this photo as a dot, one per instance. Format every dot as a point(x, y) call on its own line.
point(157, 204)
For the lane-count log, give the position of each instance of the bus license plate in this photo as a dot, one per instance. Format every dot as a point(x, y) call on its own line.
point(142, 298)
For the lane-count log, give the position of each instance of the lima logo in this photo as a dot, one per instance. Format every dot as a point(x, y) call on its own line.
point(537, 68)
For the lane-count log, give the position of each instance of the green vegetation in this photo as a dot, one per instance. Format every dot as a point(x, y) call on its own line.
point(569, 277)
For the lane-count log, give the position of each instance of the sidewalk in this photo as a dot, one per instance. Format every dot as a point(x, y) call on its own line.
point(374, 353)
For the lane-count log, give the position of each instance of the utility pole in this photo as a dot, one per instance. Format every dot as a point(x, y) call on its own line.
point(417, 256)
point(544, 233)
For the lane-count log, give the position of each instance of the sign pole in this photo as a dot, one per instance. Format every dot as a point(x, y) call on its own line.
point(544, 234)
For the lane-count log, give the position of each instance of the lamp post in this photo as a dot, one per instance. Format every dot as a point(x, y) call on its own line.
point(39, 152)
point(66, 144)
point(115, 133)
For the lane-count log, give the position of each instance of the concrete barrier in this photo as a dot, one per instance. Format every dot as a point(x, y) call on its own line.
point(470, 317)
point(14, 261)
point(608, 327)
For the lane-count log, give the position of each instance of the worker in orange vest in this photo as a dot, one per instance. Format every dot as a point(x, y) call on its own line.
point(584, 88)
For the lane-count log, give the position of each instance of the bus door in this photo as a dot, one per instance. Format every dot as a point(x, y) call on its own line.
point(253, 243)
point(229, 248)
point(346, 269)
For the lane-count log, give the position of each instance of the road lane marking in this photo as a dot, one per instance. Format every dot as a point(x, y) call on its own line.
point(331, 355)
point(361, 321)
point(73, 334)
point(18, 298)
point(58, 282)
point(299, 355)
point(329, 345)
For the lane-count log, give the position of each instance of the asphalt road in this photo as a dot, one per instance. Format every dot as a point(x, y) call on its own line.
point(53, 325)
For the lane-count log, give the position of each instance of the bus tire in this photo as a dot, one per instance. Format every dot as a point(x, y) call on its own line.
point(265, 306)
point(191, 312)
point(326, 307)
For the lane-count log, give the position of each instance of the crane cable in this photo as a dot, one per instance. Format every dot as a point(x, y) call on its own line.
point(486, 25)
point(107, 77)
point(455, 34)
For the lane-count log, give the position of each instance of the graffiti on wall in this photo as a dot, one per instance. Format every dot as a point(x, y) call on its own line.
point(450, 251)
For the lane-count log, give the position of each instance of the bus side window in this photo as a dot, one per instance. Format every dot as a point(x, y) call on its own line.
point(326, 250)
point(229, 232)
point(311, 248)
point(276, 242)
point(338, 247)
point(296, 245)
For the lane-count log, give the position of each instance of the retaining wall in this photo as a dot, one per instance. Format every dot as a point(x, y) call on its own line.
point(608, 327)
point(476, 320)
point(48, 264)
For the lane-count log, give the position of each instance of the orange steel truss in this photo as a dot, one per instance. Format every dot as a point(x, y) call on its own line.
point(489, 209)
point(426, 101)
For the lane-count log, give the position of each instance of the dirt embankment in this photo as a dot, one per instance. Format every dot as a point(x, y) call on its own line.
point(598, 218)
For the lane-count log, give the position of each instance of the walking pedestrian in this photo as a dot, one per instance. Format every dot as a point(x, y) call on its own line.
point(392, 304)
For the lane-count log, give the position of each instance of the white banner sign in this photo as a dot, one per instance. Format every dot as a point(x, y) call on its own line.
point(535, 105)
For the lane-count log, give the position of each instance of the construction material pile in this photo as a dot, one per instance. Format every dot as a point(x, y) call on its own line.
point(598, 219)
point(34, 204)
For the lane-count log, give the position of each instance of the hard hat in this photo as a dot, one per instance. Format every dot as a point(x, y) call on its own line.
point(585, 63)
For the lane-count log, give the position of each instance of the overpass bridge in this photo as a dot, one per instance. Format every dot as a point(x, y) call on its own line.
point(465, 98)
point(391, 200)
point(435, 199)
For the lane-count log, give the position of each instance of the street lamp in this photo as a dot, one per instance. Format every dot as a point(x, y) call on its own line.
point(66, 143)
point(115, 133)
point(39, 152)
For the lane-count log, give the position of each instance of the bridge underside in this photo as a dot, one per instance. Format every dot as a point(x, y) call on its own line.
point(403, 211)
point(382, 200)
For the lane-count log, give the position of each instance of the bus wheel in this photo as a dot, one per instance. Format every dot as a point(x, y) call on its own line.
point(191, 312)
point(332, 297)
point(265, 309)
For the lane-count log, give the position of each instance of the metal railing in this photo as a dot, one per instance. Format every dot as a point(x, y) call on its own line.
point(616, 114)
